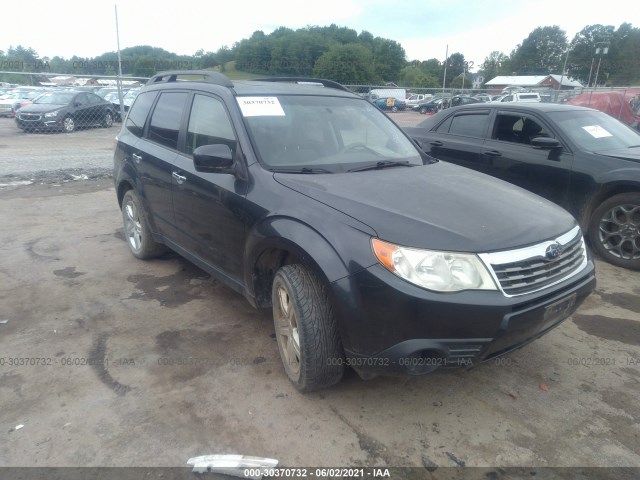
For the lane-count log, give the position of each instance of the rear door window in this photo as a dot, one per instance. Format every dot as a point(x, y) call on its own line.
point(467, 124)
point(139, 113)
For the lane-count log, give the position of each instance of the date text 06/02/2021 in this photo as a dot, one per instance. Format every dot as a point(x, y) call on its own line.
point(337, 472)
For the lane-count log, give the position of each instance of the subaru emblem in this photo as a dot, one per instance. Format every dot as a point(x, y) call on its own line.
point(553, 251)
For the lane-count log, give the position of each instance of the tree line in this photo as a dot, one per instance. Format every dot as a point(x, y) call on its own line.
point(344, 55)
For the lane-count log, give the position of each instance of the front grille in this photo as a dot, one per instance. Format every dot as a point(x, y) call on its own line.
point(30, 117)
point(531, 269)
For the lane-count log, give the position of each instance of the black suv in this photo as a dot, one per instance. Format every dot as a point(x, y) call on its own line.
point(307, 199)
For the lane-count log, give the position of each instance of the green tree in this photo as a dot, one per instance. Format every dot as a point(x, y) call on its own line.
point(582, 53)
point(414, 76)
point(541, 53)
point(389, 58)
point(497, 63)
point(349, 64)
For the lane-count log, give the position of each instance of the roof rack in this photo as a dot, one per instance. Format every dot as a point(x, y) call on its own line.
point(307, 81)
point(207, 76)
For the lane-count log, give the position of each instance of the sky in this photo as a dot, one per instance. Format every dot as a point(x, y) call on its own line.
point(425, 29)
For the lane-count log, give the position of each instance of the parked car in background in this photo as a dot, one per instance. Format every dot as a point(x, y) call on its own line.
point(309, 201)
point(582, 159)
point(417, 98)
point(65, 111)
point(390, 104)
point(458, 100)
point(613, 103)
point(127, 100)
point(13, 101)
point(483, 97)
point(432, 106)
point(522, 97)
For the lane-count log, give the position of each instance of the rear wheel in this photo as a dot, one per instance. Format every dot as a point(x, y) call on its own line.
point(136, 229)
point(614, 231)
point(107, 120)
point(423, 110)
point(306, 329)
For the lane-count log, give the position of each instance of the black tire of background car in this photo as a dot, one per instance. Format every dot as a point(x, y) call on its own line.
point(604, 211)
point(132, 211)
point(321, 362)
point(423, 110)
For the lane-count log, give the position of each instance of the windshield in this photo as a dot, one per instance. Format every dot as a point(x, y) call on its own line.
point(131, 94)
point(55, 98)
point(595, 131)
point(325, 134)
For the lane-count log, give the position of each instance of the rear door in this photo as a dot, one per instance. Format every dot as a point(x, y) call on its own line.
point(209, 206)
point(155, 154)
point(459, 138)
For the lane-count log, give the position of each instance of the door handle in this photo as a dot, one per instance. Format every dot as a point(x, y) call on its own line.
point(493, 153)
point(179, 178)
point(136, 157)
point(436, 143)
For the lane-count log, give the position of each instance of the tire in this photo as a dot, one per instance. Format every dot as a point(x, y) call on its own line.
point(423, 110)
point(68, 124)
point(614, 230)
point(107, 120)
point(136, 229)
point(306, 329)
point(394, 109)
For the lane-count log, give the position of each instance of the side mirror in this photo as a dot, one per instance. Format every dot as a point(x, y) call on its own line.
point(217, 158)
point(545, 142)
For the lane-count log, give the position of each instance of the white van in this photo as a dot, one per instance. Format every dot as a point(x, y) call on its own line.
point(525, 97)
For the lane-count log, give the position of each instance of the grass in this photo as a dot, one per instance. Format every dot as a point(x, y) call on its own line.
point(230, 71)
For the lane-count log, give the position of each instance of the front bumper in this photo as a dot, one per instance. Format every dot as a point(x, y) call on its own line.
point(31, 122)
point(389, 326)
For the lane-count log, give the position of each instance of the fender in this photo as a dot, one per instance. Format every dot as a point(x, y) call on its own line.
point(318, 250)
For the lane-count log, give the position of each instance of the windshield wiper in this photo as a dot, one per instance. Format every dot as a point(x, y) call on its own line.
point(301, 170)
point(382, 164)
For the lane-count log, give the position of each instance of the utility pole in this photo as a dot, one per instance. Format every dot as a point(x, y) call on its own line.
point(444, 80)
point(602, 51)
point(119, 77)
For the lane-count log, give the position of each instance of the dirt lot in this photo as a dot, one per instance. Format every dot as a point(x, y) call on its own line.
point(110, 361)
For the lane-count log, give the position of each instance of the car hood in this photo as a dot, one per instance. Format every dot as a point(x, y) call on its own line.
point(632, 154)
point(40, 107)
point(438, 206)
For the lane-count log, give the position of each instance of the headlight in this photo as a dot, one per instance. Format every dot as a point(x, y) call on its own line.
point(434, 270)
point(51, 114)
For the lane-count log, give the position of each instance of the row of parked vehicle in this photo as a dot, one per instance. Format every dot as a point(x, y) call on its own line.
point(64, 109)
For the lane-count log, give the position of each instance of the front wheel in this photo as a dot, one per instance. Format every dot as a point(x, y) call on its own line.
point(306, 329)
point(614, 231)
point(423, 110)
point(68, 124)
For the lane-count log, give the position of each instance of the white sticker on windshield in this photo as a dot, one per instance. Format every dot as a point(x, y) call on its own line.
point(596, 131)
point(260, 106)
